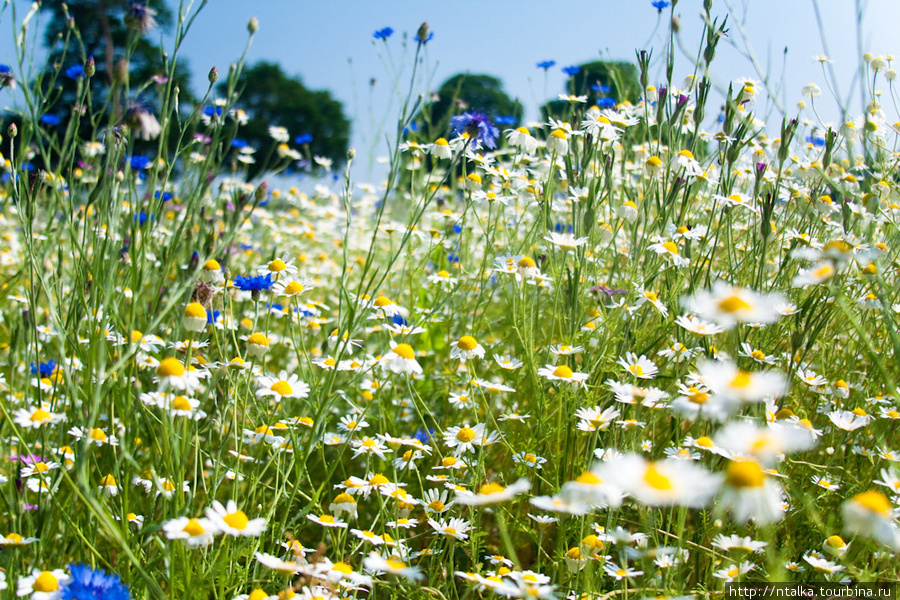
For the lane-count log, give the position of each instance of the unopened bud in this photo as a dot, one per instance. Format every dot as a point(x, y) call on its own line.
point(90, 67)
point(12, 131)
point(213, 75)
point(261, 191)
point(351, 153)
point(253, 25)
point(423, 32)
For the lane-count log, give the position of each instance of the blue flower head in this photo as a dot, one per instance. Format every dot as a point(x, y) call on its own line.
point(75, 72)
point(546, 64)
point(305, 138)
point(88, 584)
point(254, 283)
point(44, 369)
point(478, 127)
point(398, 320)
point(383, 34)
point(4, 69)
point(571, 71)
point(506, 120)
point(606, 102)
point(51, 120)
point(139, 162)
point(239, 143)
point(660, 4)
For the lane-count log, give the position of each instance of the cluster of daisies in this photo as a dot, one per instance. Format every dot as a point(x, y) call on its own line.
point(611, 351)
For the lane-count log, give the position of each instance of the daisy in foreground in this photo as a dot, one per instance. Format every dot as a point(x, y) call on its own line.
point(401, 359)
point(728, 306)
point(377, 563)
point(492, 493)
point(455, 528)
point(668, 482)
point(233, 521)
point(562, 373)
point(870, 514)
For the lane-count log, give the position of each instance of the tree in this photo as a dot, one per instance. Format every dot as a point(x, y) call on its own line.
point(109, 31)
point(467, 92)
point(313, 118)
point(605, 84)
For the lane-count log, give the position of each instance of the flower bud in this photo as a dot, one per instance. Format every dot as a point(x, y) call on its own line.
point(253, 25)
point(213, 75)
point(90, 67)
point(261, 191)
point(12, 131)
point(351, 153)
point(423, 32)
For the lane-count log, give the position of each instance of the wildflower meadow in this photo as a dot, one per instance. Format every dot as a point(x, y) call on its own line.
point(636, 348)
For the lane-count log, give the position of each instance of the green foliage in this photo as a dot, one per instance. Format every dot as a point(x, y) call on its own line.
point(270, 97)
point(467, 92)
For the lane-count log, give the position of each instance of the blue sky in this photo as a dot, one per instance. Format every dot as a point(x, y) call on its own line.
point(330, 45)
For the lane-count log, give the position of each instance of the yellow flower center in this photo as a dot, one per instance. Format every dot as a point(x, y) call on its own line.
point(326, 519)
point(181, 403)
point(758, 355)
point(170, 367)
point(656, 480)
point(437, 506)
point(98, 435)
point(526, 262)
point(467, 343)
point(40, 415)
point(451, 460)
point(379, 479)
point(293, 288)
point(874, 501)
point(563, 371)
point(465, 435)
point(745, 474)
point(236, 520)
point(277, 265)
point(46, 582)
point(704, 442)
point(686, 154)
point(257, 594)
point(441, 142)
point(559, 134)
point(491, 488)
point(342, 567)
point(671, 247)
point(741, 380)
point(449, 531)
point(344, 498)
point(282, 387)
point(651, 296)
point(404, 351)
point(109, 480)
point(258, 339)
point(212, 265)
point(733, 304)
point(589, 478)
point(194, 528)
point(195, 310)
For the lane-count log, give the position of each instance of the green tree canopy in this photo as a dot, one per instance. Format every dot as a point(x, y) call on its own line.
point(270, 97)
point(605, 83)
point(467, 92)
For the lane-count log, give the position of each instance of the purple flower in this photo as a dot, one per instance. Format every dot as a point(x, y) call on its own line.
point(478, 127)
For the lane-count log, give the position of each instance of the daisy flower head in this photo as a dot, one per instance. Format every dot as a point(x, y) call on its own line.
point(870, 514)
point(401, 359)
point(563, 373)
point(642, 368)
point(728, 306)
point(294, 287)
point(195, 532)
point(750, 495)
point(669, 250)
point(663, 483)
point(171, 373)
point(35, 417)
point(229, 519)
point(698, 326)
point(520, 137)
point(455, 528)
point(195, 317)
point(379, 564)
point(506, 362)
point(281, 387)
point(492, 493)
point(278, 267)
point(596, 419)
point(327, 521)
point(726, 379)
point(467, 347)
point(567, 241)
point(465, 438)
point(43, 585)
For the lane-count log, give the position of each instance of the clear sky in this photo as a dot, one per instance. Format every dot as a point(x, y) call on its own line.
point(329, 45)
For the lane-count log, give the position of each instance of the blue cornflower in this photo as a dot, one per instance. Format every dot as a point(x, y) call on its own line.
point(166, 196)
point(815, 140)
point(88, 584)
point(4, 69)
point(383, 34)
point(212, 316)
point(305, 138)
point(660, 4)
point(398, 320)
point(600, 88)
point(571, 71)
point(139, 162)
point(75, 72)
point(142, 217)
point(506, 120)
point(44, 369)
point(546, 64)
point(51, 120)
point(606, 102)
point(239, 143)
point(254, 283)
point(478, 126)
point(423, 435)
point(212, 111)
